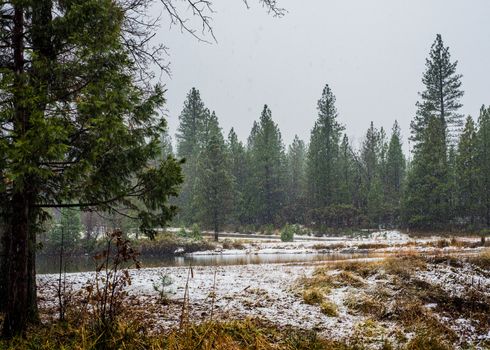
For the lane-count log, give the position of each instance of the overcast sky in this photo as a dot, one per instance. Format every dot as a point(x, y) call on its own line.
point(371, 52)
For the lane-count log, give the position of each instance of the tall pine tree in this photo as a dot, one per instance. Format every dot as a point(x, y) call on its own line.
point(483, 158)
point(395, 174)
point(189, 137)
point(467, 173)
point(442, 94)
point(214, 182)
point(267, 166)
point(296, 181)
point(426, 204)
point(323, 153)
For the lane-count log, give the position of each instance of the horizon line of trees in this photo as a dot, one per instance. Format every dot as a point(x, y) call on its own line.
point(328, 183)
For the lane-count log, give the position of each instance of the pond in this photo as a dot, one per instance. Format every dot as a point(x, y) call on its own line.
point(50, 264)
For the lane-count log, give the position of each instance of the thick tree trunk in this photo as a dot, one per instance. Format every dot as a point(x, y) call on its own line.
point(17, 299)
point(17, 286)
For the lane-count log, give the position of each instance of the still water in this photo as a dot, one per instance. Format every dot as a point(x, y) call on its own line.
point(86, 263)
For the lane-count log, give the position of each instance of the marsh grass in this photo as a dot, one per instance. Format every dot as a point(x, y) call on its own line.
point(234, 335)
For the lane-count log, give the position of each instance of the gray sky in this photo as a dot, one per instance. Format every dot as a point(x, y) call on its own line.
point(371, 52)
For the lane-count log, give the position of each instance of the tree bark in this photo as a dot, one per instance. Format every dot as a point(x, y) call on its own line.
point(15, 322)
point(4, 245)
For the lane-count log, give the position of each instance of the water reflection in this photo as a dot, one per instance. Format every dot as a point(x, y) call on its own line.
point(86, 263)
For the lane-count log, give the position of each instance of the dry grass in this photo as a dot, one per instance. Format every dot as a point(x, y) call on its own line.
point(365, 304)
point(236, 335)
point(325, 246)
point(482, 260)
point(233, 244)
point(328, 308)
point(404, 266)
point(363, 269)
point(373, 246)
point(426, 341)
point(313, 296)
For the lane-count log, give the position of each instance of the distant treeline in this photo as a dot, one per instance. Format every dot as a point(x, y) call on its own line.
point(329, 183)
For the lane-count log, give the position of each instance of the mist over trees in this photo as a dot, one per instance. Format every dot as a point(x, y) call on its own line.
point(326, 183)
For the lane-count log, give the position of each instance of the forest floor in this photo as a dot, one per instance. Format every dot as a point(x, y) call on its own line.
point(403, 293)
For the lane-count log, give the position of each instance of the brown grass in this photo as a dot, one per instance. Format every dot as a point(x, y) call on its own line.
point(328, 308)
point(235, 335)
point(313, 296)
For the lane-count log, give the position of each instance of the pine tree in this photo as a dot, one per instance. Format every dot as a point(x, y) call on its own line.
point(483, 159)
point(426, 199)
point(395, 173)
point(347, 168)
point(296, 182)
point(373, 158)
point(189, 137)
point(239, 169)
point(468, 173)
point(267, 167)
point(442, 94)
point(214, 183)
point(323, 153)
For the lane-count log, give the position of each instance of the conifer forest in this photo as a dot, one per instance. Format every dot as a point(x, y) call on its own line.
point(244, 174)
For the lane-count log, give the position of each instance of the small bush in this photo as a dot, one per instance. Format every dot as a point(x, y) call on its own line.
point(196, 232)
point(329, 308)
point(313, 296)
point(287, 233)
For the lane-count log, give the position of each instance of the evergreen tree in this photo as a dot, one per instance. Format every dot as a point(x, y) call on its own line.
point(214, 182)
point(239, 169)
point(267, 168)
point(483, 159)
point(373, 154)
point(395, 173)
point(80, 129)
point(442, 94)
point(426, 199)
point(323, 153)
point(467, 173)
point(67, 230)
point(296, 182)
point(193, 119)
point(347, 172)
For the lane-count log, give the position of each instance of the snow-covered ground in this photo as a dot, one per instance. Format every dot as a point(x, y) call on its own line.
point(273, 292)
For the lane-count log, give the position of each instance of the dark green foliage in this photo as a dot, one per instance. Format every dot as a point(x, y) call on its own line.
point(426, 204)
point(287, 233)
point(323, 154)
point(394, 174)
point(266, 162)
point(483, 160)
point(296, 182)
point(67, 229)
point(79, 128)
point(237, 158)
point(214, 182)
point(341, 215)
point(468, 173)
point(442, 94)
point(190, 136)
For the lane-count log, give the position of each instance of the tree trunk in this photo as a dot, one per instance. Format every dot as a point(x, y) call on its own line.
point(4, 245)
point(216, 228)
point(17, 287)
point(15, 322)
